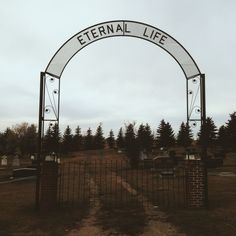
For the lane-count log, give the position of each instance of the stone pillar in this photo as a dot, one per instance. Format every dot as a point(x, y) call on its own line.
point(48, 185)
point(196, 184)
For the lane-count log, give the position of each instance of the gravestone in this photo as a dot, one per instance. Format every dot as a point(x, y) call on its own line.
point(4, 160)
point(16, 161)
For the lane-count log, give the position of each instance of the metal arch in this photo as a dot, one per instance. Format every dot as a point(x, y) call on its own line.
point(49, 69)
point(49, 101)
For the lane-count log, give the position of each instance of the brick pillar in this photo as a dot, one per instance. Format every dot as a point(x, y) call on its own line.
point(48, 185)
point(196, 184)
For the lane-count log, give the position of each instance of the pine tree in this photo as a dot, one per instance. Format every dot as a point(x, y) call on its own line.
point(99, 141)
point(120, 141)
point(88, 140)
point(185, 136)
point(67, 141)
point(77, 140)
point(52, 139)
point(231, 131)
point(165, 135)
point(111, 140)
point(222, 137)
point(145, 137)
point(207, 134)
point(47, 140)
point(56, 137)
point(131, 145)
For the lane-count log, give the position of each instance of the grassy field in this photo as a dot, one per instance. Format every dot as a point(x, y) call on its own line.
point(220, 217)
point(18, 217)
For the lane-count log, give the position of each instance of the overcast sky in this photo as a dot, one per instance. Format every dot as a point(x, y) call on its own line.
point(116, 80)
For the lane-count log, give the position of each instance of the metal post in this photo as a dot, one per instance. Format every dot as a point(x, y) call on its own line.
point(203, 123)
point(203, 116)
point(187, 101)
point(40, 133)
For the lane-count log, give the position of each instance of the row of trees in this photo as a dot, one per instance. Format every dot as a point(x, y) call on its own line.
point(127, 138)
point(23, 138)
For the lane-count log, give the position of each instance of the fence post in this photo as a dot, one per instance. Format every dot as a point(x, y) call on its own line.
point(196, 184)
point(48, 185)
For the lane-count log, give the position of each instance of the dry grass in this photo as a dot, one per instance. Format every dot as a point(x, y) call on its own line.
point(219, 219)
point(18, 217)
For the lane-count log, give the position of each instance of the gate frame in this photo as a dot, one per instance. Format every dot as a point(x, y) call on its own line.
point(53, 97)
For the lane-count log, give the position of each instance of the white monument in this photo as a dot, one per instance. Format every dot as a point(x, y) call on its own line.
point(16, 161)
point(4, 160)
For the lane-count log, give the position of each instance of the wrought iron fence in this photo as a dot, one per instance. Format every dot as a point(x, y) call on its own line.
point(114, 183)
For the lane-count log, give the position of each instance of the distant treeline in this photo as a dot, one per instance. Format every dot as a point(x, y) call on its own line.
point(22, 138)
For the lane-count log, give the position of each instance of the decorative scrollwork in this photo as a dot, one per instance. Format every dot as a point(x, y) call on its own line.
point(193, 124)
point(47, 109)
point(197, 110)
point(194, 101)
point(56, 91)
point(51, 79)
point(51, 102)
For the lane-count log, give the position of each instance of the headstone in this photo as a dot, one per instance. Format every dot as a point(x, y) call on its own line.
point(16, 161)
point(49, 158)
point(143, 155)
point(4, 160)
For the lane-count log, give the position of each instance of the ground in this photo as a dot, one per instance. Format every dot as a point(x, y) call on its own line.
point(18, 217)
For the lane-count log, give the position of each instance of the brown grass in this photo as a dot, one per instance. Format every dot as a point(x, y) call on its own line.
point(219, 219)
point(18, 217)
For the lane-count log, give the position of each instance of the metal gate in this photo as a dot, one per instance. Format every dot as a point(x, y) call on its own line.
point(114, 183)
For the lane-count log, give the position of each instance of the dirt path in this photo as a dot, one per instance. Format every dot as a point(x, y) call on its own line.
point(157, 225)
point(89, 226)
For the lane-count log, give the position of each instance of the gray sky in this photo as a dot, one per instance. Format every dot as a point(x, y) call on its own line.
point(116, 80)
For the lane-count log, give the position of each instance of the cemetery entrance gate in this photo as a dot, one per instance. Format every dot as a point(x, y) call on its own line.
point(49, 101)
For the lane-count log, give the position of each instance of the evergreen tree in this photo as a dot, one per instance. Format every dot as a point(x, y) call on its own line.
point(231, 132)
point(207, 134)
point(120, 141)
point(165, 135)
point(185, 136)
point(67, 141)
point(131, 145)
point(111, 140)
point(56, 137)
point(52, 139)
point(99, 141)
point(222, 137)
point(77, 140)
point(47, 140)
point(88, 140)
point(145, 137)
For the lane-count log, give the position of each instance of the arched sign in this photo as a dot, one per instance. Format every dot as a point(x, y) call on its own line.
point(50, 79)
point(121, 28)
